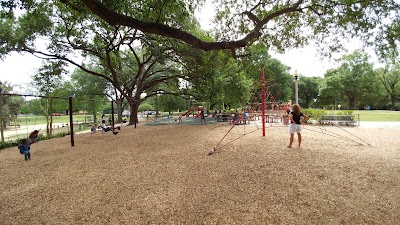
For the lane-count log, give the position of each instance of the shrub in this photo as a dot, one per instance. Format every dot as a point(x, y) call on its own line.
point(8, 144)
point(344, 112)
point(314, 114)
point(62, 134)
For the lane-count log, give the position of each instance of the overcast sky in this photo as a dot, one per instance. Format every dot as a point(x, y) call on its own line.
point(18, 69)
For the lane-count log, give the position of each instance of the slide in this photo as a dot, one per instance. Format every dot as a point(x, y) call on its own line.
point(190, 110)
point(198, 114)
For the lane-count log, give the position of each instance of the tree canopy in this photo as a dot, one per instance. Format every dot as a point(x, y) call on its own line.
point(280, 24)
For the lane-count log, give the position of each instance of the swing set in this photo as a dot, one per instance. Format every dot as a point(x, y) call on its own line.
point(18, 126)
point(70, 109)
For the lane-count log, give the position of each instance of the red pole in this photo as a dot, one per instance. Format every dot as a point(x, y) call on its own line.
point(71, 121)
point(263, 100)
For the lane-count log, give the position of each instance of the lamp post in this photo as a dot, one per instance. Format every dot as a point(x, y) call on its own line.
point(1, 112)
point(296, 83)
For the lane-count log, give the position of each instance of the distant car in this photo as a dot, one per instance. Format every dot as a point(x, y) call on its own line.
point(57, 114)
point(151, 113)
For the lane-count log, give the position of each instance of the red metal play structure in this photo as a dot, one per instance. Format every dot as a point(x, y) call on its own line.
point(270, 111)
point(199, 108)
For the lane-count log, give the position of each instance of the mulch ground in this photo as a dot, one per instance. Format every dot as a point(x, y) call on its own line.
point(164, 175)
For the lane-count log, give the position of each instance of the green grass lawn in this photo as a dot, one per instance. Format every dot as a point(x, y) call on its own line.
point(365, 115)
point(33, 120)
point(378, 115)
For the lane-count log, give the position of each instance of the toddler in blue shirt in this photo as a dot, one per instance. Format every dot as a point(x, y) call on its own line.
point(25, 149)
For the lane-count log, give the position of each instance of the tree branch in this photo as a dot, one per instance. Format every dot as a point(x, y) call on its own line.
point(114, 18)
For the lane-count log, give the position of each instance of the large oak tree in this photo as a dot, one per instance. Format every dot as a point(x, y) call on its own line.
point(133, 62)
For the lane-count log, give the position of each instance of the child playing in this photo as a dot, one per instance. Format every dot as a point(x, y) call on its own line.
point(180, 116)
point(297, 118)
point(24, 148)
point(202, 116)
point(106, 129)
point(94, 129)
point(235, 117)
point(104, 126)
point(33, 136)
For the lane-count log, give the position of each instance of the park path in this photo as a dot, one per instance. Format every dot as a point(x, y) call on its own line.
point(23, 131)
point(371, 124)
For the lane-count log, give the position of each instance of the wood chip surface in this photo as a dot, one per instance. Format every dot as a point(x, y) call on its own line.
point(164, 175)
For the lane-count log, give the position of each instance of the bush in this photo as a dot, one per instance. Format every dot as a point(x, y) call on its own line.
point(62, 134)
point(314, 114)
point(344, 112)
point(8, 144)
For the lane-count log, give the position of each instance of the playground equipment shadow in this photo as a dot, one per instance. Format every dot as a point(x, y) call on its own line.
point(185, 120)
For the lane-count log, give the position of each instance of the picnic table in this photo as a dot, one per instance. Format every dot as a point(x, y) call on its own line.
point(222, 117)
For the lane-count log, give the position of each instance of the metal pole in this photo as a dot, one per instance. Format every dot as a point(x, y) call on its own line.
point(297, 89)
point(1, 112)
point(112, 114)
point(263, 100)
point(71, 122)
point(1, 119)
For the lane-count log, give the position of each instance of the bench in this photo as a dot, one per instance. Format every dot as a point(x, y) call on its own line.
point(348, 120)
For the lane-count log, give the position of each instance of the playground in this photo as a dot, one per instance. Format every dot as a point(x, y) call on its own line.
point(163, 175)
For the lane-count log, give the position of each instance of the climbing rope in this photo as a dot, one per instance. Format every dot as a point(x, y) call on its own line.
point(323, 130)
point(219, 146)
point(354, 135)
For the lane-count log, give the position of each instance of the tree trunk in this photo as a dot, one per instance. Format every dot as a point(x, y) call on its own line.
point(157, 105)
point(212, 106)
point(307, 103)
point(393, 101)
point(352, 102)
point(51, 124)
point(50, 121)
point(92, 111)
point(133, 119)
point(119, 111)
point(95, 118)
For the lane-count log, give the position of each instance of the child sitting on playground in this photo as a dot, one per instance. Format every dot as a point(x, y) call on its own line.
point(24, 148)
